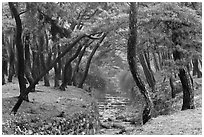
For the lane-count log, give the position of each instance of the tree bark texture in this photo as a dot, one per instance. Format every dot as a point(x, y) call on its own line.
point(196, 70)
point(171, 81)
point(28, 73)
point(148, 73)
point(67, 73)
point(43, 47)
point(57, 68)
point(76, 68)
point(89, 61)
point(156, 62)
point(4, 69)
point(48, 61)
point(131, 56)
point(186, 80)
point(160, 60)
point(188, 93)
point(11, 51)
point(4, 63)
point(20, 50)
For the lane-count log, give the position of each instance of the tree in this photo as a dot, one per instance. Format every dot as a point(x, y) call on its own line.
point(19, 46)
point(89, 61)
point(131, 56)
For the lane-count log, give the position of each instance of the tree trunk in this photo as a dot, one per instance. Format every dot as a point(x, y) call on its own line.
point(4, 69)
point(11, 61)
point(89, 61)
point(4, 63)
point(28, 73)
point(148, 73)
point(156, 63)
point(200, 60)
point(59, 63)
point(46, 77)
point(19, 46)
point(171, 81)
point(56, 78)
point(188, 93)
point(146, 57)
point(67, 73)
point(24, 94)
point(57, 67)
point(43, 46)
point(131, 56)
point(196, 70)
point(76, 68)
point(34, 68)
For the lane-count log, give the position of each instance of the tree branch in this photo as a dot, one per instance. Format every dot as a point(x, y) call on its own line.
point(22, 12)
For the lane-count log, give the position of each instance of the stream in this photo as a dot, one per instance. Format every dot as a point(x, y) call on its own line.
point(111, 104)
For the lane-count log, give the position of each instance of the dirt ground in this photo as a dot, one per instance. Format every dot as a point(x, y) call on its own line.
point(46, 102)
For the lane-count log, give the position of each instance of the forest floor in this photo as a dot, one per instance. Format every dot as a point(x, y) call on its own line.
point(188, 122)
point(44, 104)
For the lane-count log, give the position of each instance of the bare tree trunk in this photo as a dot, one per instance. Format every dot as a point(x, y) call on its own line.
point(148, 73)
point(200, 60)
point(11, 61)
point(4, 69)
point(19, 46)
point(56, 70)
point(47, 62)
point(67, 73)
point(196, 70)
point(76, 68)
point(171, 81)
point(57, 67)
point(4, 61)
point(188, 91)
point(156, 63)
point(160, 60)
point(89, 62)
point(60, 63)
point(28, 73)
point(131, 56)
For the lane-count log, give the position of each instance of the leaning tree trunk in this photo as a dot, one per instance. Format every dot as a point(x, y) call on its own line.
point(89, 61)
point(186, 81)
point(19, 46)
point(131, 56)
point(76, 68)
point(67, 73)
